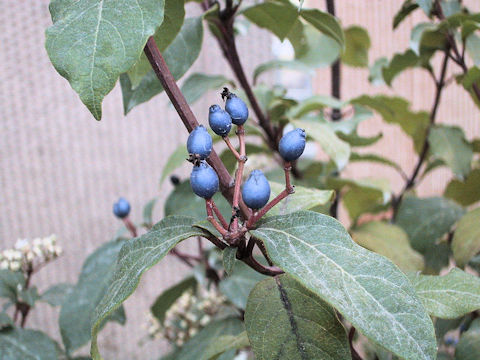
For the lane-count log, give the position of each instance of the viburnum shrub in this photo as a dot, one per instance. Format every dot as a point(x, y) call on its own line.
point(277, 275)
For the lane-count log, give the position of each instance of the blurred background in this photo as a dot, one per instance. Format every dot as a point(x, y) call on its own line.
point(61, 170)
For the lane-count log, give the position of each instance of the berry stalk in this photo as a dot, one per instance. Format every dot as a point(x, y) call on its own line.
point(238, 176)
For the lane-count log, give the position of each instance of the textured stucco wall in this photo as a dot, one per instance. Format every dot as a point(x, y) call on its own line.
point(60, 170)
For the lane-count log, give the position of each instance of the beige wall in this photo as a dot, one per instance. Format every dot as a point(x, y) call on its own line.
point(60, 170)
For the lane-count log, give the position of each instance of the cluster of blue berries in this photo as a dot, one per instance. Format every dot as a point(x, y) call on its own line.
point(204, 180)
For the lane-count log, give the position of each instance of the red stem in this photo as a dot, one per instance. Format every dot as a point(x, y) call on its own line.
point(238, 176)
point(130, 226)
point(209, 206)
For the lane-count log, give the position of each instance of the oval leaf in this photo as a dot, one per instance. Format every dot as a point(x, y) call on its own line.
point(92, 42)
point(466, 240)
point(449, 296)
point(298, 323)
point(319, 253)
point(21, 344)
point(137, 256)
point(325, 23)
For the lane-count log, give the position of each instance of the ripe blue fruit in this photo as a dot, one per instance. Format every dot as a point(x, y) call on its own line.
point(237, 109)
point(256, 190)
point(200, 142)
point(121, 208)
point(292, 144)
point(204, 180)
point(219, 120)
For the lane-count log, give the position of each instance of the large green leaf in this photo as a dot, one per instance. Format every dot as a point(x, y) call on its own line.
point(286, 321)
point(279, 17)
point(203, 346)
point(357, 44)
point(78, 306)
point(174, 14)
point(196, 85)
point(22, 344)
point(320, 254)
point(226, 343)
point(448, 143)
point(92, 42)
point(466, 240)
point(465, 192)
point(449, 296)
point(336, 149)
point(468, 348)
point(135, 257)
point(426, 220)
point(407, 8)
point(396, 110)
point(179, 56)
point(238, 285)
point(390, 241)
point(304, 198)
point(325, 23)
point(401, 62)
point(169, 296)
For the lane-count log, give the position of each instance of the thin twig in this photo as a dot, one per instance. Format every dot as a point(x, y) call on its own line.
point(351, 334)
point(211, 218)
point(238, 177)
point(423, 154)
point(130, 226)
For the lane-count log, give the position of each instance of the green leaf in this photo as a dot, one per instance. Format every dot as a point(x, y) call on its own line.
point(29, 296)
point(396, 110)
point(449, 144)
point(92, 42)
point(226, 343)
point(356, 140)
point(326, 260)
point(22, 344)
point(278, 64)
point(315, 103)
point(237, 286)
point(11, 282)
point(325, 23)
point(426, 6)
point(229, 259)
point(56, 294)
point(182, 201)
point(135, 257)
point(336, 149)
point(5, 322)
point(169, 296)
point(473, 47)
point(390, 241)
point(204, 346)
point(304, 198)
point(376, 71)
point(356, 157)
point(407, 8)
point(175, 160)
point(197, 84)
point(426, 220)
point(465, 192)
point(279, 17)
point(468, 348)
point(472, 77)
point(426, 38)
point(449, 296)
point(401, 62)
point(148, 212)
point(437, 257)
point(78, 306)
point(179, 56)
point(299, 324)
point(174, 14)
point(466, 240)
point(357, 44)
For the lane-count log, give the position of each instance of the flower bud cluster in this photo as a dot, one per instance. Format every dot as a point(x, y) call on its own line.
point(188, 315)
point(28, 253)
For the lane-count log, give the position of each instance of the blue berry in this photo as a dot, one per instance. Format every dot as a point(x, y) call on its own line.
point(121, 208)
point(292, 144)
point(204, 180)
point(256, 190)
point(219, 120)
point(449, 341)
point(237, 109)
point(199, 142)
